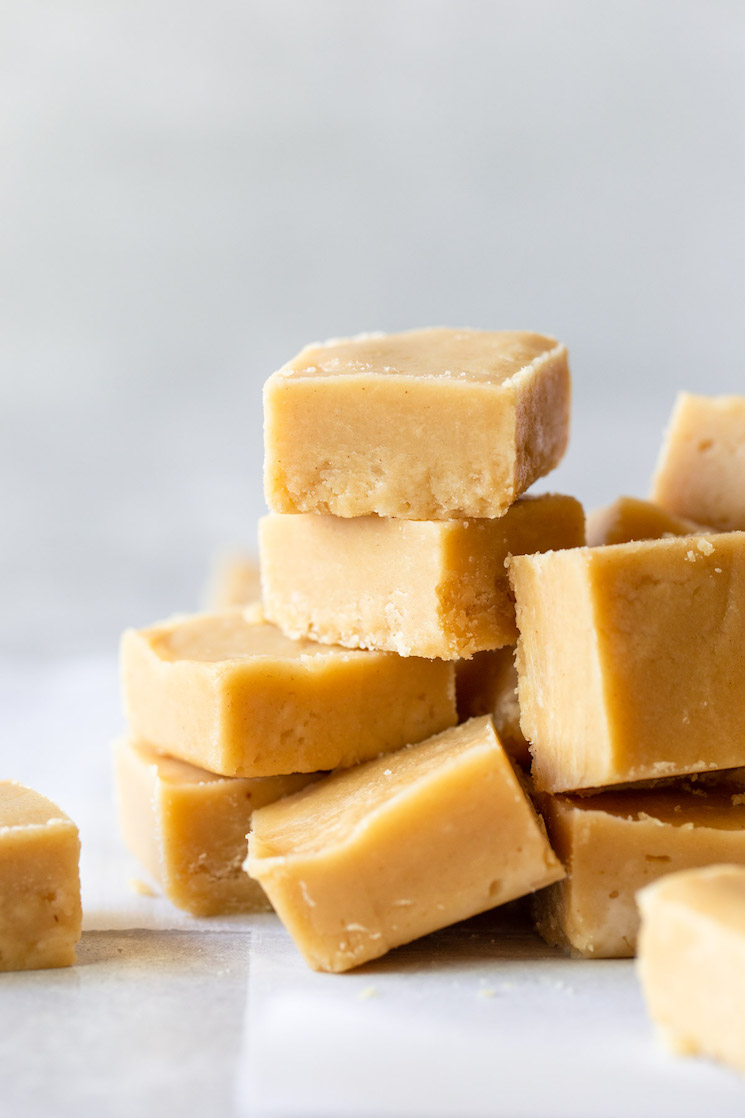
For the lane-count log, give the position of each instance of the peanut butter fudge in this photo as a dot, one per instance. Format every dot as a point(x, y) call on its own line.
point(701, 469)
point(40, 913)
point(230, 693)
point(629, 519)
point(487, 684)
point(417, 587)
point(630, 663)
point(188, 827)
point(614, 843)
point(377, 856)
point(692, 961)
point(424, 425)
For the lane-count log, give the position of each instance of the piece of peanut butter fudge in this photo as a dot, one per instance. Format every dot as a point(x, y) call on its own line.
point(386, 852)
point(416, 587)
point(230, 693)
point(613, 843)
point(630, 659)
point(692, 961)
point(40, 913)
point(629, 518)
point(701, 469)
point(188, 827)
point(424, 425)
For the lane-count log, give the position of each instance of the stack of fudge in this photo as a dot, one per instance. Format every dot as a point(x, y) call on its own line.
point(369, 721)
point(395, 468)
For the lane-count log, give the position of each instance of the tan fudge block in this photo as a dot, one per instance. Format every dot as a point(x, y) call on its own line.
point(188, 827)
point(40, 913)
point(387, 852)
point(231, 694)
point(614, 843)
point(234, 581)
point(487, 684)
point(630, 662)
point(629, 519)
point(416, 587)
point(692, 961)
point(424, 425)
point(701, 469)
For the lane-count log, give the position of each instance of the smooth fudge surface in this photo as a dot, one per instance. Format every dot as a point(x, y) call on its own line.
point(188, 827)
point(614, 843)
point(692, 961)
point(701, 468)
point(230, 693)
point(424, 425)
point(379, 855)
point(487, 684)
point(630, 660)
point(630, 518)
point(435, 588)
point(40, 912)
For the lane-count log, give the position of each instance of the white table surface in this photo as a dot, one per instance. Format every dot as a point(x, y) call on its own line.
point(165, 1013)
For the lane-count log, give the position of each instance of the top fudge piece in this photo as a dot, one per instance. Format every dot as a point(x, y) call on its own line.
point(701, 469)
point(630, 660)
point(425, 425)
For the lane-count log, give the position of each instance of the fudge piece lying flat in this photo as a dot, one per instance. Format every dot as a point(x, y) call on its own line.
point(188, 827)
point(487, 684)
point(417, 587)
point(230, 693)
point(692, 961)
point(615, 842)
point(40, 913)
point(630, 662)
point(387, 852)
point(629, 519)
point(701, 469)
point(425, 425)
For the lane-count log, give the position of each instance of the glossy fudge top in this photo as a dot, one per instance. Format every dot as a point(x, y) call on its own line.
point(230, 636)
point(488, 356)
point(344, 804)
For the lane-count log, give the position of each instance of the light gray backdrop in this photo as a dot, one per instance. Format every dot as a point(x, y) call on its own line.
point(189, 192)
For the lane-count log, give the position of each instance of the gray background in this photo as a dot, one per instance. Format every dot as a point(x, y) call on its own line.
point(190, 192)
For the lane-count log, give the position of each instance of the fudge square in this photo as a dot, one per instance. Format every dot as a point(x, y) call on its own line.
point(434, 588)
point(379, 855)
point(629, 519)
point(230, 693)
point(614, 843)
point(630, 660)
point(40, 913)
point(692, 961)
point(424, 425)
point(188, 827)
point(701, 468)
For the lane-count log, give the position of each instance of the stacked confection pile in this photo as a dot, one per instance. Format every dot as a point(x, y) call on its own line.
point(395, 468)
point(428, 631)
